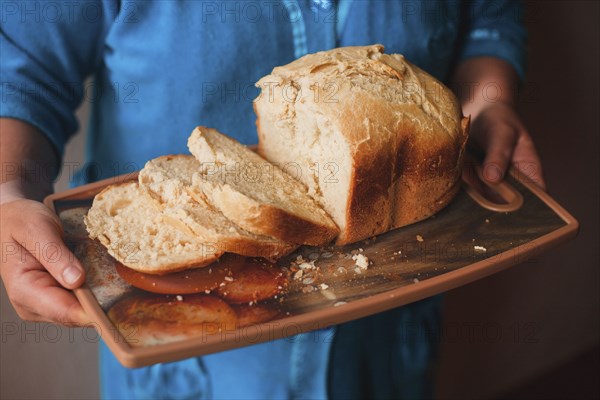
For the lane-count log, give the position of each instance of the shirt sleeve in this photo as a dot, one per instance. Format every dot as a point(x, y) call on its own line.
point(47, 50)
point(495, 28)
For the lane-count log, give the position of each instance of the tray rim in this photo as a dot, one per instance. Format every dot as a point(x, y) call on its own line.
point(133, 357)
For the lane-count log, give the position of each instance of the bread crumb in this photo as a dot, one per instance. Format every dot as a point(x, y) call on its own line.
point(307, 281)
point(415, 280)
point(207, 291)
point(179, 297)
point(323, 286)
point(340, 303)
point(250, 303)
point(419, 238)
point(307, 265)
point(361, 261)
point(487, 221)
point(480, 248)
point(229, 279)
point(298, 274)
point(221, 284)
point(308, 289)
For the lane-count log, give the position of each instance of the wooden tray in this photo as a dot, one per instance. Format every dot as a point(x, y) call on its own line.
point(470, 239)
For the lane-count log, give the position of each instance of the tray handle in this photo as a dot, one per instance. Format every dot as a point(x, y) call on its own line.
point(476, 186)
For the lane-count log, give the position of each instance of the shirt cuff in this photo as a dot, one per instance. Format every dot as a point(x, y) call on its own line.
point(494, 43)
point(22, 105)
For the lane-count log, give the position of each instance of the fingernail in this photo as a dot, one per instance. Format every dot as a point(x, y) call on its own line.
point(71, 274)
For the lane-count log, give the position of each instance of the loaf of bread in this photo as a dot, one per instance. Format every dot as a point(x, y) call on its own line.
point(379, 142)
point(255, 194)
point(168, 180)
point(134, 232)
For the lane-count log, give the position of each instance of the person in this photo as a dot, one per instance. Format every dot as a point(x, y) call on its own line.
point(161, 68)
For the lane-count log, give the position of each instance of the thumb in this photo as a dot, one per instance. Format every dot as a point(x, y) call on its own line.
point(41, 236)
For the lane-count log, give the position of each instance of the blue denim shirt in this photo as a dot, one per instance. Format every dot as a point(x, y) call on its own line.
point(160, 68)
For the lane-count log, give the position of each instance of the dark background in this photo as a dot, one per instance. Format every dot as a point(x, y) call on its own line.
point(529, 332)
point(547, 309)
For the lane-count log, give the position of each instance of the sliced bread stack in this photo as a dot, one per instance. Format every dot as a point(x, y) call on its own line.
point(167, 180)
point(258, 195)
point(186, 211)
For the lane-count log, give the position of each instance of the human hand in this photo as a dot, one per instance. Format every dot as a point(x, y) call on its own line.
point(36, 266)
point(499, 133)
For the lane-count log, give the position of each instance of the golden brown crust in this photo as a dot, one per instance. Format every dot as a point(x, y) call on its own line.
point(252, 248)
point(270, 220)
point(421, 182)
point(288, 227)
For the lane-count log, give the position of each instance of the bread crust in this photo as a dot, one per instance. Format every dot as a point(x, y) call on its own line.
point(268, 220)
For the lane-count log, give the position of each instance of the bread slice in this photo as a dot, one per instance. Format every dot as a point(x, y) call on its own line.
point(167, 180)
point(257, 195)
point(126, 222)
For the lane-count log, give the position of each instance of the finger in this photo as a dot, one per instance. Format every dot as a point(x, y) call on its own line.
point(61, 306)
point(42, 240)
point(499, 141)
point(527, 161)
point(31, 316)
point(50, 302)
